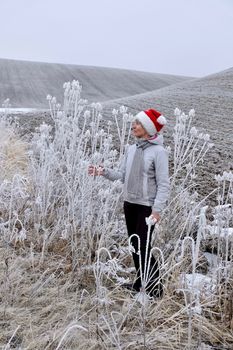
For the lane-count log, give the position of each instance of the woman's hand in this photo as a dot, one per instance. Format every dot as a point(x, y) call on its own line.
point(155, 216)
point(153, 219)
point(95, 170)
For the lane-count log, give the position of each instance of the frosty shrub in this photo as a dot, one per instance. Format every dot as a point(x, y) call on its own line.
point(64, 202)
point(190, 148)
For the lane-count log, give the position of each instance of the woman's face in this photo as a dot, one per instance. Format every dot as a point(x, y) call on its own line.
point(138, 130)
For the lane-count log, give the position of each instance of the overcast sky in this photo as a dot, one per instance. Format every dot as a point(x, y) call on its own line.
point(184, 37)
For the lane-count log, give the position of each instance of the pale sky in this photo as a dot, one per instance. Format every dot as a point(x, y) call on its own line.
point(183, 37)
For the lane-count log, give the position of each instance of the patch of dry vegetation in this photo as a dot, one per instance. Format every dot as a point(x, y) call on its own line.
point(13, 153)
point(45, 301)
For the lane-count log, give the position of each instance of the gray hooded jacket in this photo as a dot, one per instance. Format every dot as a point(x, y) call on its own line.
point(155, 177)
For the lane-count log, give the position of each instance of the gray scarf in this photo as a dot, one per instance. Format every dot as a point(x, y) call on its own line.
point(135, 182)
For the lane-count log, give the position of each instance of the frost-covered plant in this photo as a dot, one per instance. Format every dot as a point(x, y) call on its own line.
point(67, 202)
point(124, 130)
point(190, 148)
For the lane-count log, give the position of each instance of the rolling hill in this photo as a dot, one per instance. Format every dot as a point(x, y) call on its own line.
point(28, 83)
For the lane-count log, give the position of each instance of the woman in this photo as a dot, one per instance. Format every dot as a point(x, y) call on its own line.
point(144, 172)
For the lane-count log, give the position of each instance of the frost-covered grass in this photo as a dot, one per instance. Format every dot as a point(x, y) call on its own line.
point(64, 249)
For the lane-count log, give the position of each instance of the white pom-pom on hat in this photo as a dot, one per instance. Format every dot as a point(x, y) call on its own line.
point(152, 121)
point(162, 120)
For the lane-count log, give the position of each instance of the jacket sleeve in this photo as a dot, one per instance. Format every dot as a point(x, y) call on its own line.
point(162, 180)
point(117, 174)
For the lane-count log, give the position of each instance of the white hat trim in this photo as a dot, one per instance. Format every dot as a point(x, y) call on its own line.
point(146, 122)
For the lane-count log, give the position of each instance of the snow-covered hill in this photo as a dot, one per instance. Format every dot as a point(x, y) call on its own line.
point(28, 83)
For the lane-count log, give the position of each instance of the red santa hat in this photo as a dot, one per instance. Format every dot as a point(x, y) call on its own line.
point(151, 120)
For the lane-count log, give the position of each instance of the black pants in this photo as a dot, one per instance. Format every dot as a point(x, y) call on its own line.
point(135, 215)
